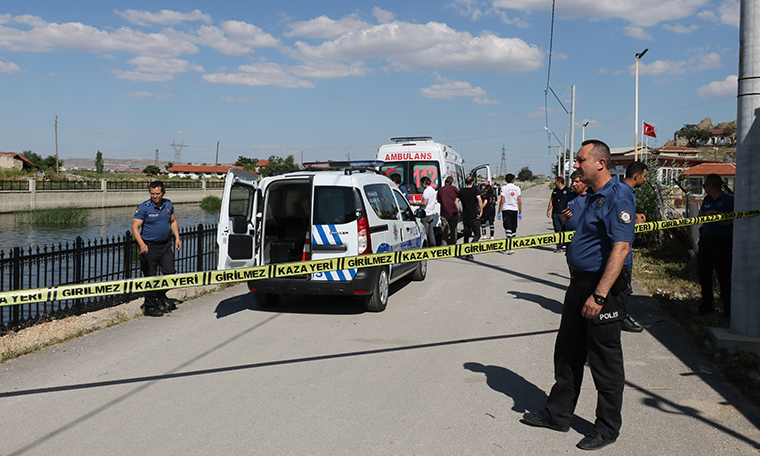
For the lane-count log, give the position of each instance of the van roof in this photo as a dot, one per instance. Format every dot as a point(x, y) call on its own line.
point(411, 138)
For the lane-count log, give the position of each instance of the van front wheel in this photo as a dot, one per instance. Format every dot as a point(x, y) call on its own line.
point(378, 300)
point(266, 299)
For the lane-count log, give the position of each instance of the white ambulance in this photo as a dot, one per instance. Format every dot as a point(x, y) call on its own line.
point(313, 215)
point(414, 157)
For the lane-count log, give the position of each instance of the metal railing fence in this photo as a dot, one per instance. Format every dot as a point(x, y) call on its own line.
point(89, 261)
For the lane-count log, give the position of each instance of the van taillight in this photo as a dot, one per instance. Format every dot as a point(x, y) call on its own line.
point(364, 241)
point(306, 255)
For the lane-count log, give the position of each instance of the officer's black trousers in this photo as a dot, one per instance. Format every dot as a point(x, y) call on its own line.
point(578, 339)
point(715, 253)
point(159, 255)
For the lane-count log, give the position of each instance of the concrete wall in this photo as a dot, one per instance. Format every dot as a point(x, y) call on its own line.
point(13, 201)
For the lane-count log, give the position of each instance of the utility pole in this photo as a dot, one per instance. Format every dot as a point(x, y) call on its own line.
point(56, 145)
point(572, 131)
point(745, 307)
point(216, 162)
point(503, 165)
point(156, 162)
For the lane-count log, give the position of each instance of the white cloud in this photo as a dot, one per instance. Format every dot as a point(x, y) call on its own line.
point(720, 89)
point(322, 70)
point(383, 16)
point(668, 67)
point(239, 100)
point(541, 111)
point(47, 37)
point(324, 27)
point(5, 18)
point(337, 104)
point(28, 19)
point(639, 13)
point(158, 96)
point(638, 33)
point(678, 28)
point(485, 101)
point(472, 9)
point(154, 69)
point(259, 74)
point(163, 17)
point(728, 14)
point(410, 47)
point(450, 89)
point(9, 67)
point(235, 38)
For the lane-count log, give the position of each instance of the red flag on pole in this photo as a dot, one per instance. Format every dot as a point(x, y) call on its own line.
point(649, 130)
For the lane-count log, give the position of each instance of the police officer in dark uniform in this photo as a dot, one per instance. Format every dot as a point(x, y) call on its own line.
point(716, 244)
point(560, 196)
point(152, 226)
point(593, 308)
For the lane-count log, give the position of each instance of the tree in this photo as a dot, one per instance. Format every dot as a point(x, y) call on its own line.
point(152, 170)
point(247, 163)
point(44, 163)
point(169, 166)
point(525, 174)
point(277, 164)
point(99, 162)
point(693, 134)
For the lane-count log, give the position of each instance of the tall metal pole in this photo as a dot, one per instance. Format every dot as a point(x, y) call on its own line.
point(745, 307)
point(572, 130)
point(56, 145)
point(636, 121)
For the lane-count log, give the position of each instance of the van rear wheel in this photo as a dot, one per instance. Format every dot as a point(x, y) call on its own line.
point(378, 300)
point(266, 299)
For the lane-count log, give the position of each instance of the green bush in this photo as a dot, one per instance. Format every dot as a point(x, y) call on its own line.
point(211, 203)
point(66, 215)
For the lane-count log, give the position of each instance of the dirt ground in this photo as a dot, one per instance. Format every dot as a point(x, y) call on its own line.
point(50, 332)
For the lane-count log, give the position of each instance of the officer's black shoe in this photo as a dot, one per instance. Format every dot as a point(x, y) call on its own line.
point(540, 420)
point(151, 311)
point(594, 441)
point(167, 305)
point(631, 326)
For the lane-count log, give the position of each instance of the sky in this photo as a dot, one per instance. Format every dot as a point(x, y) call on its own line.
point(336, 80)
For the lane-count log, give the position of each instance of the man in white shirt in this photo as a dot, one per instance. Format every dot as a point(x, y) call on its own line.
point(510, 202)
point(428, 202)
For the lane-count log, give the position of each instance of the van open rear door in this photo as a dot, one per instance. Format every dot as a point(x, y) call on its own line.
point(487, 168)
point(237, 230)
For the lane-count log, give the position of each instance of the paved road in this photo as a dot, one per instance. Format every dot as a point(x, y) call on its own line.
point(447, 369)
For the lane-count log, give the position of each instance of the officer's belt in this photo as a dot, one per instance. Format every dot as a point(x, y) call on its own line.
point(584, 276)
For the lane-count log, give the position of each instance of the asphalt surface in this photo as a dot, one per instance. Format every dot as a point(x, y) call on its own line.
point(447, 369)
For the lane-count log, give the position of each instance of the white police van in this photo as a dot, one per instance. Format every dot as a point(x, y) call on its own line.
point(313, 215)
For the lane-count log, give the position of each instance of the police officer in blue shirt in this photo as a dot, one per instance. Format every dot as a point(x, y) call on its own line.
point(716, 242)
point(593, 308)
point(152, 226)
point(635, 177)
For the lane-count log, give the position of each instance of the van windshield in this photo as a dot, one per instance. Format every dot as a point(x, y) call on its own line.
point(334, 205)
point(412, 173)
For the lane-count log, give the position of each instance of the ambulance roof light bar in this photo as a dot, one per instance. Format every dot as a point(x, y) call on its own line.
point(411, 138)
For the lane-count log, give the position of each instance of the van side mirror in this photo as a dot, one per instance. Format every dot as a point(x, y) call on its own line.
point(420, 213)
point(239, 225)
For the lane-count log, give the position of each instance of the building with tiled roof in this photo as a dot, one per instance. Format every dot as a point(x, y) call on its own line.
point(14, 160)
point(695, 176)
point(202, 171)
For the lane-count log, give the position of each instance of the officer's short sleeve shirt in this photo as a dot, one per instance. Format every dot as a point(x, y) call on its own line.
point(608, 218)
point(724, 203)
point(156, 225)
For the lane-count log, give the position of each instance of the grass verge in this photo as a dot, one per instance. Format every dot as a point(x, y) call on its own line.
point(66, 215)
point(672, 280)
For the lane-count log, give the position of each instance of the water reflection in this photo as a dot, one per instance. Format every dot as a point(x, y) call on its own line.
point(106, 222)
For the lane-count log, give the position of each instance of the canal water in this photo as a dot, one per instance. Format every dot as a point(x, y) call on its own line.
point(102, 223)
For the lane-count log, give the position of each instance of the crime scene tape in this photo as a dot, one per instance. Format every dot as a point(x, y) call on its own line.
point(194, 279)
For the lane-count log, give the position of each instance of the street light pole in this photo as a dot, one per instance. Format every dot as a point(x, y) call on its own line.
point(584, 133)
point(636, 129)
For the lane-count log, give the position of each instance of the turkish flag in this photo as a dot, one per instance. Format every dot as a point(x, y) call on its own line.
point(649, 130)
